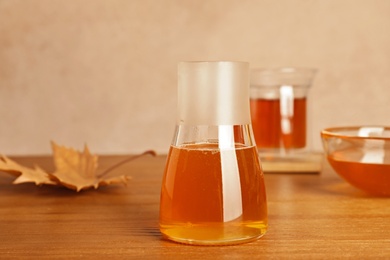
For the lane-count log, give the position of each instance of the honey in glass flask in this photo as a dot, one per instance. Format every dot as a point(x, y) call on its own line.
point(213, 189)
point(195, 205)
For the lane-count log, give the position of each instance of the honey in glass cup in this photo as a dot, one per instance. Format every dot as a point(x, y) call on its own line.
point(279, 111)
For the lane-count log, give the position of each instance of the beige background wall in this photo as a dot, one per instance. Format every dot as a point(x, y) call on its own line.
point(104, 72)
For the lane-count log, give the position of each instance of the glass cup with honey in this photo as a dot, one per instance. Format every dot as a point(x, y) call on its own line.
point(280, 117)
point(213, 186)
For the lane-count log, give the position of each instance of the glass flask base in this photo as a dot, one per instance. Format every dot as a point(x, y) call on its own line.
point(213, 235)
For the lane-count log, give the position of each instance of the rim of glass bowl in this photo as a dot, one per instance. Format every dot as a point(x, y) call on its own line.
point(335, 132)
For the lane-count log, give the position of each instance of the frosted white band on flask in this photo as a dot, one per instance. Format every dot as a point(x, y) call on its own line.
point(213, 93)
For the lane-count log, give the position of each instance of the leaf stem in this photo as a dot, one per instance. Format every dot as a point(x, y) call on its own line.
point(151, 152)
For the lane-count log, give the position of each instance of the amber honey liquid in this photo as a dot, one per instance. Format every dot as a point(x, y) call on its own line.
point(370, 177)
point(266, 123)
point(192, 207)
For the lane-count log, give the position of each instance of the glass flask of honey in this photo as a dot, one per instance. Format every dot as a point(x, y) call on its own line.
point(213, 186)
point(280, 114)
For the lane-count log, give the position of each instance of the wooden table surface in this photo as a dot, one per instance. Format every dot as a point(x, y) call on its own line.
point(311, 216)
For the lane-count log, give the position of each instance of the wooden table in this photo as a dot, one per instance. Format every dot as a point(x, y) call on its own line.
point(310, 216)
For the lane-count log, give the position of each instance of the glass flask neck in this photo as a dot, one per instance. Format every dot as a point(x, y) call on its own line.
point(213, 93)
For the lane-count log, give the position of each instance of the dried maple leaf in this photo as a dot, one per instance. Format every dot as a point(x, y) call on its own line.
point(78, 170)
point(37, 175)
point(74, 170)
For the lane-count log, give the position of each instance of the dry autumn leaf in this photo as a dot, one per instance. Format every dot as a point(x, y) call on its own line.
point(74, 170)
point(37, 175)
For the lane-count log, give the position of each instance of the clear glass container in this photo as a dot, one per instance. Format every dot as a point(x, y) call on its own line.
point(360, 155)
point(280, 111)
point(213, 186)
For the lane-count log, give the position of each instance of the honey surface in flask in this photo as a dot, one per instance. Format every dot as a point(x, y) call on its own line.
point(192, 208)
point(266, 123)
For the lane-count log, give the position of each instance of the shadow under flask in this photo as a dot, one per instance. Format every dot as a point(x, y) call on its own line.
point(213, 189)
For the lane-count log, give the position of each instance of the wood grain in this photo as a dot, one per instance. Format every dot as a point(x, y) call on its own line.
point(310, 217)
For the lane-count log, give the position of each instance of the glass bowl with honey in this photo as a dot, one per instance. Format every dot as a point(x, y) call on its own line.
point(360, 155)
